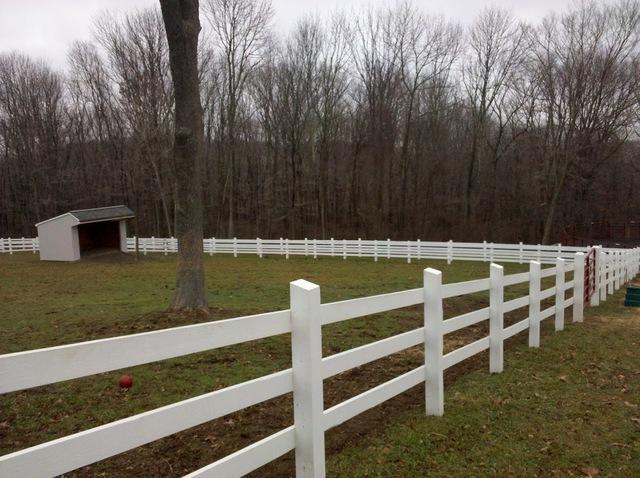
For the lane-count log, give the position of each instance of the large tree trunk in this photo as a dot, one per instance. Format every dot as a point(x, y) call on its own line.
point(182, 25)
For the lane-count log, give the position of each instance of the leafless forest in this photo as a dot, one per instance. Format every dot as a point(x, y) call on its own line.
point(380, 123)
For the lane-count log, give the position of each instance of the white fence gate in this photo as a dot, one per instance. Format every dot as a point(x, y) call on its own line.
point(304, 321)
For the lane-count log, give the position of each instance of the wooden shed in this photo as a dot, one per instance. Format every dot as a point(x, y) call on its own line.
point(75, 234)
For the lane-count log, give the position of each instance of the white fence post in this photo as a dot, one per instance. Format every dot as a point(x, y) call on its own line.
point(484, 251)
point(534, 304)
point(496, 320)
point(610, 279)
point(212, 245)
point(359, 247)
point(33, 244)
point(605, 278)
point(375, 250)
point(595, 297)
point(164, 244)
point(450, 252)
point(578, 287)
point(539, 253)
point(333, 249)
point(306, 247)
point(618, 270)
point(491, 252)
point(419, 251)
point(259, 247)
point(520, 255)
point(315, 248)
point(388, 248)
point(144, 246)
point(235, 247)
point(281, 247)
point(433, 343)
point(408, 252)
point(604, 272)
point(286, 248)
point(560, 295)
point(306, 357)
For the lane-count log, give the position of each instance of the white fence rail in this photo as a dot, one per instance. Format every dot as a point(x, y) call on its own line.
point(387, 249)
point(21, 244)
point(304, 321)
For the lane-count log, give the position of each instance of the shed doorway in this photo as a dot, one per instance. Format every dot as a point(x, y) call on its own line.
point(99, 237)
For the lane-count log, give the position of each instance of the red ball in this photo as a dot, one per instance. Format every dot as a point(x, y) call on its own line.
point(126, 381)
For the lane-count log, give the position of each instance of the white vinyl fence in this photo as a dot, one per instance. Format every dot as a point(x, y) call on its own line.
point(305, 378)
point(376, 249)
point(387, 249)
point(21, 244)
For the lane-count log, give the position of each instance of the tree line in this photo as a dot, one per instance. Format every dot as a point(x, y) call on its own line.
point(386, 122)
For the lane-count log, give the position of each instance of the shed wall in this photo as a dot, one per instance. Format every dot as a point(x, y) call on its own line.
point(123, 235)
point(59, 240)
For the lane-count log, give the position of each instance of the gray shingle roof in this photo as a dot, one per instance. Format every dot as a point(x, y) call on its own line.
point(102, 213)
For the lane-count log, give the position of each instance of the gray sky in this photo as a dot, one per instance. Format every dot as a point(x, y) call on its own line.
point(46, 28)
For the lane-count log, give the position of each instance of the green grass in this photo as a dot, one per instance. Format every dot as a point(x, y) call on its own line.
point(45, 304)
point(570, 408)
point(48, 303)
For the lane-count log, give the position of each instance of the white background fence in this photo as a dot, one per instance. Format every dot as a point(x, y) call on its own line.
point(386, 249)
point(304, 321)
point(21, 244)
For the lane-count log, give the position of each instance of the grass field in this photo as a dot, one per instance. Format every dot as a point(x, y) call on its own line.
point(571, 408)
point(45, 304)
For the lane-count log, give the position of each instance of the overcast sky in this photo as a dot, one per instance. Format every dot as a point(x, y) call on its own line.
point(46, 28)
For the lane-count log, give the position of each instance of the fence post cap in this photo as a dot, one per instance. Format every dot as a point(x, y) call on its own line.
point(304, 284)
point(432, 271)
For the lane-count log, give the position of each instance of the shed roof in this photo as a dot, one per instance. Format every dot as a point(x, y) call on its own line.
point(102, 213)
point(97, 214)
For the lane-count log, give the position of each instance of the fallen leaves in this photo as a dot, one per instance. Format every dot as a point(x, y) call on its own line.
point(590, 472)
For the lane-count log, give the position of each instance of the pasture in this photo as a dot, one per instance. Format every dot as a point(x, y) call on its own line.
point(46, 304)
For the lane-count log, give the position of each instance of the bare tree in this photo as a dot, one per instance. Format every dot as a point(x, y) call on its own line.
point(375, 64)
point(182, 25)
point(388, 123)
point(585, 64)
point(137, 50)
point(497, 48)
point(427, 47)
point(240, 30)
